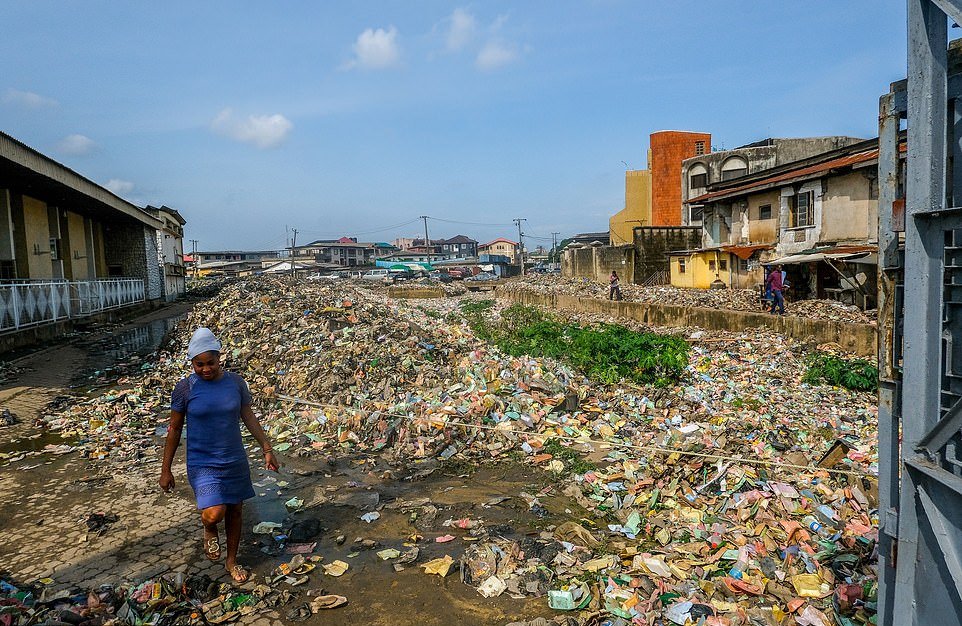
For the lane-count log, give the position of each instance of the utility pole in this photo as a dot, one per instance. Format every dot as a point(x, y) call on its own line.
point(427, 242)
point(193, 255)
point(518, 221)
point(293, 245)
point(554, 247)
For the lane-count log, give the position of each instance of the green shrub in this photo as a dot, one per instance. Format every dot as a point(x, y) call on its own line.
point(854, 374)
point(604, 352)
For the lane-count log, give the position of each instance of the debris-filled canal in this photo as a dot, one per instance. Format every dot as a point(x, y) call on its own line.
point(455, 461)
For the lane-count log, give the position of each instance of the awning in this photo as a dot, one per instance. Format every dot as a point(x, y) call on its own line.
point(745, 252)
point(814, 257)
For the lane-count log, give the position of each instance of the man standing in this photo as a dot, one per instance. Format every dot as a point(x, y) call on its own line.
point(775, 283)
point(614, 290)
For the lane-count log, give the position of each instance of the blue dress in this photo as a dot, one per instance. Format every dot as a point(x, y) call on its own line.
point(217, 466)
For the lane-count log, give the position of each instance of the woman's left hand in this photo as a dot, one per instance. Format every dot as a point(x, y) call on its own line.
point(270, 461)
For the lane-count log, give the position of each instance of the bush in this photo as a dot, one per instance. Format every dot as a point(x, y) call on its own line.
point(605, 352)
point(854, 374)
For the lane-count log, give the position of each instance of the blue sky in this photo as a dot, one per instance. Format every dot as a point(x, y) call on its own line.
point(342, 118)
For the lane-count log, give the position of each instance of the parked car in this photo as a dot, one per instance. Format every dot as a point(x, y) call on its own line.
point(441, 277)
point(482, 277)
point(380, 275)
point(397, 276)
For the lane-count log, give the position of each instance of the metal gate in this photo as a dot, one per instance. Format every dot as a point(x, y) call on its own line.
point(920, 324)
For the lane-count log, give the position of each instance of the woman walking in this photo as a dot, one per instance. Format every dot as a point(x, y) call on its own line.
point(213, 402)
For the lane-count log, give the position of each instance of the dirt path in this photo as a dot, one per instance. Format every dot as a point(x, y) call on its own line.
point(46, 499)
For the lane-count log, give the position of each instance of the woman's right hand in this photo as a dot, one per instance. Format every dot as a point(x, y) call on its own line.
point(166, 480)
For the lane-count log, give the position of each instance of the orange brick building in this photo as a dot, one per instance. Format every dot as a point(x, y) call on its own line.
point(668, 148)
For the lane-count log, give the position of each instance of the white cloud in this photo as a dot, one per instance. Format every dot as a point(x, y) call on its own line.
point(494, 55)
point(461, 29)
point(263, 131)
point(27, 99)
point(119, 187)
point(76, 145)
point(375, 49)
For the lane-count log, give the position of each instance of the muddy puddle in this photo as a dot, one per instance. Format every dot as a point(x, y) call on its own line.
point(337, 496)
point(116, 354)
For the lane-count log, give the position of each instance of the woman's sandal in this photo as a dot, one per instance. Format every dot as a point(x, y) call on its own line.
point(327, 602)
point(239, 574)
point(212, 547)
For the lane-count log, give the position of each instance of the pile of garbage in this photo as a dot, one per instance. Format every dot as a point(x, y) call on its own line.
point(739, 493)
point(733, 299)
point(163, 601)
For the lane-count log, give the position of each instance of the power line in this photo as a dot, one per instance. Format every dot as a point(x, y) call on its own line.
point(439, 219)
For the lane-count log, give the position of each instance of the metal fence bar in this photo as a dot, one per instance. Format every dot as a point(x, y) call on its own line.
point(29, 304)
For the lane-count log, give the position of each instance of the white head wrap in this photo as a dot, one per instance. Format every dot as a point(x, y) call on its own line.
point(202, 341)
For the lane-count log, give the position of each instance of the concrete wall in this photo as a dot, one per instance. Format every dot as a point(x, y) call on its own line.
point(763, 231)
point(668, 149)
point(850, 208)
point(36, 229)
point(701, 269)
point(597, 262)
point(861, 339)
point(796, 149)
point(637, 211)
point(652, 245)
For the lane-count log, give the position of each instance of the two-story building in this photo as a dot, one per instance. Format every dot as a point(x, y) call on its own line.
point(502, 247)
point(817, 217)
point(345, 252)
point(712, 168)
point(170, 248)
point(460, 246)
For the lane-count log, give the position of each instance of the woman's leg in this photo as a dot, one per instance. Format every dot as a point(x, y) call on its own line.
point(232, 526)
point(210, 517)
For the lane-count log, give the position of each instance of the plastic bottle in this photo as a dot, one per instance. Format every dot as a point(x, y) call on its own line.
point(816, 526)
point(741, 565)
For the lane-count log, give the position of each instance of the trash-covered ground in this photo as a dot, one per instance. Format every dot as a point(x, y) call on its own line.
point(734, 299)
point(736, 496)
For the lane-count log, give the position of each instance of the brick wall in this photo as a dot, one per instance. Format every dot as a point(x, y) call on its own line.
point(668, 149)
point(131, 248)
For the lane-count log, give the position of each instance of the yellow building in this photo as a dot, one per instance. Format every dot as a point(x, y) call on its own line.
point(698, 269)
point(637, 211)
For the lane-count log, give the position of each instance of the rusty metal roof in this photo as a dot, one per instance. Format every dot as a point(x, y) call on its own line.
point(790, 176)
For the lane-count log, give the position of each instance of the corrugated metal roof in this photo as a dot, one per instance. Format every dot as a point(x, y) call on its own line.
point(790, 176)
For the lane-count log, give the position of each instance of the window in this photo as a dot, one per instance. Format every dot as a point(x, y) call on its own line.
point(723, 265)
point(699, 181)
point(742, 265)
point(695, 214)
point(681, 265)
point(733, 168)
point(711, 265)
point(765, 212)
point(803, 209)
point(55, 249)
point(699, 147)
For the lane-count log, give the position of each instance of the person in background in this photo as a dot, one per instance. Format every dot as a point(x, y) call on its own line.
point(614, 289)
point(213, 402)
point(774, 282)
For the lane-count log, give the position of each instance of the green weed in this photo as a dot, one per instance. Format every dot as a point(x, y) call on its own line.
point(854, 374)
point(605, 352)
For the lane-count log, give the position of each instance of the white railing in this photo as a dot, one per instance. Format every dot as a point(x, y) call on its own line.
point(26, 304)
